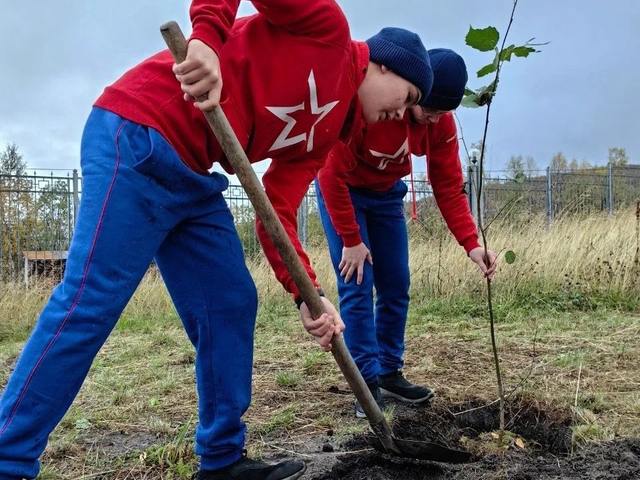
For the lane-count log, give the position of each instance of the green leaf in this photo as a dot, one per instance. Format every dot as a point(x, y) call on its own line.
point(486, 70)
point(523, 51)
point(468, 91)
point(505, 55)
point(520, 177)
point(510, 257)
point(470, 101)
point(483, 39)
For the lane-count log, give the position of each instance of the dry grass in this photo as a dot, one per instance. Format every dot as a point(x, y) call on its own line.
point(567, 310)
point(595, 256)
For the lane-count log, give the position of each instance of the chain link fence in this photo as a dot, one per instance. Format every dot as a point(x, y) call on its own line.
point(554, 194)
point(38, 212)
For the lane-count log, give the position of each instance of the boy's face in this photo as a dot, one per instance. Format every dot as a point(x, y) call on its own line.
point(385, 95)
point(425, 115)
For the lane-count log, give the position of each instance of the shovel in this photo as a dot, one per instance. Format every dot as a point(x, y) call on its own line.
point(233, 150)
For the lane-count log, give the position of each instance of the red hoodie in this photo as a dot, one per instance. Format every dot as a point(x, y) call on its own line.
point(380, 155)
point(290, 77)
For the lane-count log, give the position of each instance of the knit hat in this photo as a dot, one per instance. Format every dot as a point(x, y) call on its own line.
point(450, 79)
point(403, 53)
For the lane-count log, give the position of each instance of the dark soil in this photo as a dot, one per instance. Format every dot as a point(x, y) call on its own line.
point(538, 447)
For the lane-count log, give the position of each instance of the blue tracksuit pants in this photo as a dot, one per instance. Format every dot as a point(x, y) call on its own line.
point(375, 335)
point(139, 201)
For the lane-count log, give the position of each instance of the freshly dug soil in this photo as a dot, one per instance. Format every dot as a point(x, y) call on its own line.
point(538, 447)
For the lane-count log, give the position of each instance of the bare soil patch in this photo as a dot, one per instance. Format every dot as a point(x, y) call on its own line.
point(537, 446)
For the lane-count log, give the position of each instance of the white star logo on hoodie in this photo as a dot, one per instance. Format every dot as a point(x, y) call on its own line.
point(283, 113)
point(399, 157)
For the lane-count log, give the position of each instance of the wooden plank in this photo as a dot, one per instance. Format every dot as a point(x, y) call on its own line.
point(45, 254)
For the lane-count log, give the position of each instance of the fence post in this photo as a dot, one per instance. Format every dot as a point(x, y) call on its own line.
point(470, 188)
point(549, 197)
point(610, 188)
point(476, 207)
point(480, 181)
point(75, 196)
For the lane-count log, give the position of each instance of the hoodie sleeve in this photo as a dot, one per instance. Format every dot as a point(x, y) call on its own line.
point(335, 193)
point(321, 19)
point(212, 20)
point(445, 174)
point(286, 183)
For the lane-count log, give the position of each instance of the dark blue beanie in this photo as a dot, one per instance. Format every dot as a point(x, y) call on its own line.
point(403, 53)
point(450, 79)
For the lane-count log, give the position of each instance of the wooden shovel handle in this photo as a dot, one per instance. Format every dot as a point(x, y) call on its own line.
point(237, 158)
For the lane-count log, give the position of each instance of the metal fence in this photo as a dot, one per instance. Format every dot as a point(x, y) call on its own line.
point(38, 212)
point(554, 194)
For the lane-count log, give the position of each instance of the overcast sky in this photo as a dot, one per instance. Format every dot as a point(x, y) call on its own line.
point(579, 95)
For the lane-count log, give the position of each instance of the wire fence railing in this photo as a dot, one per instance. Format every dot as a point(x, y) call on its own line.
point(38, 211)
point(555, 194)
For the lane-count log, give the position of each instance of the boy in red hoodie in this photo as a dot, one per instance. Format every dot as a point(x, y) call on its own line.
point(360, 196)
point(294, 82)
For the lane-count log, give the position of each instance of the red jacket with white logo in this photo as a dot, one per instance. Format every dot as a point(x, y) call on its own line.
point(380, 155)
point(290, 77)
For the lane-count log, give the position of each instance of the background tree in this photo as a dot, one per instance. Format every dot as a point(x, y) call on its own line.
point(532, 166)
point(618, 157)
point(516, 167)
point(585, 165)
point(15, 204)
point(559, 163)
point(36, 212)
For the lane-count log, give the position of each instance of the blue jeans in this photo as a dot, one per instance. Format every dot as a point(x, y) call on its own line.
point(375, 337)
point(139, 201)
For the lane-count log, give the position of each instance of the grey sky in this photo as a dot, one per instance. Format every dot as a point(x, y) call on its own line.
point(578, 96)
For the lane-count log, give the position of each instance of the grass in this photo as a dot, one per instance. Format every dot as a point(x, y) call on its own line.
point(568, 330)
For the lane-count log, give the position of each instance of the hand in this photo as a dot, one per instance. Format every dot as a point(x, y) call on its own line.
point(325, 327)
point(353, 261)
point(487, 265)
point(199, 76)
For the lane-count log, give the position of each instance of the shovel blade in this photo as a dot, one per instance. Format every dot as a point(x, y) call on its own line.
point(431, 451)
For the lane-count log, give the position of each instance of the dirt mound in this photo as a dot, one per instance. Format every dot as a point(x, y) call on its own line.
point(537, 446)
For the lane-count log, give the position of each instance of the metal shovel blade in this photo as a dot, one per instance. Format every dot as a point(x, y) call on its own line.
point(431, 451)
point(421, 450)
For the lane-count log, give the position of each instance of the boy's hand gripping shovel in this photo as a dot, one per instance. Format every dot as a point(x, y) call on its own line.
point(232, 149)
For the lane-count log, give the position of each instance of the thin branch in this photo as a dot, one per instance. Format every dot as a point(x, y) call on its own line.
point(288, 452)
point(504, 40)
point(482, 229)
point(456, 414)
point(464, 143)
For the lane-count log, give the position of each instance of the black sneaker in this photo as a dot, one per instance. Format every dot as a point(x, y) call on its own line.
point(394, 385)
point(377, 395)
point(246, 469)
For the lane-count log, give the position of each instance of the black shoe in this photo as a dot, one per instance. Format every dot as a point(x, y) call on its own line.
point(246, 469)
point(377, 396)
point(394, 385)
